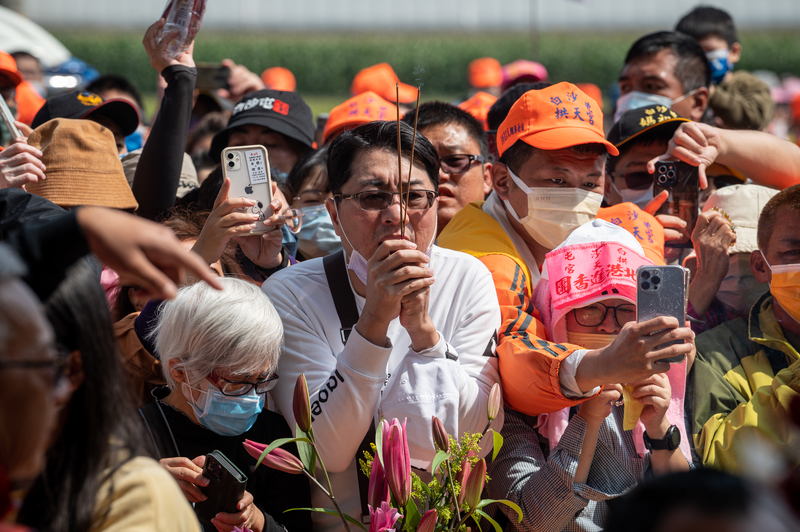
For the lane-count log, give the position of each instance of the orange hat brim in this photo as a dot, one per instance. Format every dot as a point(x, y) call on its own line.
point(565, 137)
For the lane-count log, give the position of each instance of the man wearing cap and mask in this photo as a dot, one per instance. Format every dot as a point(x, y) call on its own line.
point(549, 181)
point(747, 371)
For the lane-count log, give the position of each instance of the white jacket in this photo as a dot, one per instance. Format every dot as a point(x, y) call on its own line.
point(354, 384)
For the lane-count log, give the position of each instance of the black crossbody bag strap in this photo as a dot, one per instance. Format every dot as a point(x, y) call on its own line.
point(346, 308)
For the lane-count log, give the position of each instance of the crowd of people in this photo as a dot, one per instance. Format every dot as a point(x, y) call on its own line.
point(414, 258)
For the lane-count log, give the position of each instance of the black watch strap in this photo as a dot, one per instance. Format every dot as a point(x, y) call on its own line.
point(670, 441)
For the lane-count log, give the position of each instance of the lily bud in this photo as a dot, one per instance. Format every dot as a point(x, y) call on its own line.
point(440, 435)
point(462, 477)
point(279, 459)
point(428, 521)
point(495, 401)
point(397, 461)
point(378, 487)
point(301, 405)
point(474, 485)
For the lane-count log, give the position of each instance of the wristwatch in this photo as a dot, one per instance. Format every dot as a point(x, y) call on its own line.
point(670, 441)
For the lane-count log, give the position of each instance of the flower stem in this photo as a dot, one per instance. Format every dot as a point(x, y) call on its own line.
point(329, 491)
point(466, 517)
point(453, 490)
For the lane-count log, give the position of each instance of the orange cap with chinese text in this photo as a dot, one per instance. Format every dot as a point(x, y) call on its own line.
point(381, 80)
point(643, 226)
point(553, 118)
point(364, 108)
point(485, 72)
point(478, 106)
point(279, 79)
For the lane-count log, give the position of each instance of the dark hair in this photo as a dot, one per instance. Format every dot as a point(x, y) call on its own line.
point(304, 169)
point(703, 21)
point(211, 124)
point(707, 491)
point(100, 432)
point(789, 197)
point(378, 136)
point(499, 109)
point(119, 83)
point(692, 69)
point(443, 113)
point(519, 153)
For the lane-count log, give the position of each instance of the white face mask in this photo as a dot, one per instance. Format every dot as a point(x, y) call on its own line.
point(636, 100)
point(640, 197)
point(590, 340)
point(358, 263)
point(554, 213)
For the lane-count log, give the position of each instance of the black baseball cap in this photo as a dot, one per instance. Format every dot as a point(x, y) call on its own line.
point(280, 111)
point(637, 121)
point(82, 104)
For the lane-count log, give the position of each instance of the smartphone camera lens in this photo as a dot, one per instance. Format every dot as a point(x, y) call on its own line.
point(231, 164)
point(671, 174)
point(662, 169)
point(655, 280)
point(645, 285)
point(230, 156)
point(645, 275)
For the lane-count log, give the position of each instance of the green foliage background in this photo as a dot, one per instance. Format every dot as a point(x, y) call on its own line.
point(324, 64)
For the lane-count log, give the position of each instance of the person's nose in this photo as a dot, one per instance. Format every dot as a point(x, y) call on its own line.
point(444, 177)
point(392, 215)
point(609, 325)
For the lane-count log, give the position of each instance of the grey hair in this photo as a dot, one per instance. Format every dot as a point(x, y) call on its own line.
point(236, 330)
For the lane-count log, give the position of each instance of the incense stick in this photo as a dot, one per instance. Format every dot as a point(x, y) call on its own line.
point(400, 163)
point(411, 164)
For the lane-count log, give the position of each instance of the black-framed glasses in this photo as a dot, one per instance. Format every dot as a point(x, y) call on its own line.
point(637, 180)
point(56, 364)
point(594, 314)
point(237, 388)
point(379, 200)
point(458, 163)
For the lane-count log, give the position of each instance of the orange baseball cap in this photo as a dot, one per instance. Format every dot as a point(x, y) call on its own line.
point(28, 102)
point(643, 226)
point(279, 79)
point(364, 108)
point(485, 72)
point(553, 118)
point(593, 92)
point(478, 106)
point(8, 68)
point(381, 80)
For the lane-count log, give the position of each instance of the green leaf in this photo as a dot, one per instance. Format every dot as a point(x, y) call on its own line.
point(277, 443)
point(306, 451)
point(440, 457)
point(513, 506)
point(497, 443)
point(329, 512)
point(411, 517)
point(495, 524)
point(379, 441)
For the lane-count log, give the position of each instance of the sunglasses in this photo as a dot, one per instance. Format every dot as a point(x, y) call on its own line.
point(456, 164)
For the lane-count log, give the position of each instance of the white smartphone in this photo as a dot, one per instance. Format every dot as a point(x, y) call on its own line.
point(248, 169)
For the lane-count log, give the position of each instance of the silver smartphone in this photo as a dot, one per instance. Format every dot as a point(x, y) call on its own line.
point(8, 120)
point(662, 291)
point(248, 169)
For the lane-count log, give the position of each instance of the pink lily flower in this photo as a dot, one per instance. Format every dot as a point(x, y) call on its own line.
point(428, 521)
point(461, 478)
point(378, 487)
point(279, 459)
point(383, 519)
point(397, 460)
point(474, 485)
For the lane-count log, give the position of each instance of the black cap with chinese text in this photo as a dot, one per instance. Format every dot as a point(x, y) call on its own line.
point(82, 104)
point(638, 121)
point(279, 111)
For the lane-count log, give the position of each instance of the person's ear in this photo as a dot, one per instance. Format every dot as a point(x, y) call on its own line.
point(500, 179)
point(330, 205)
point(487, 179)
point(735, 53)
point(699, 103)
point(178, 374)
point(761, 271)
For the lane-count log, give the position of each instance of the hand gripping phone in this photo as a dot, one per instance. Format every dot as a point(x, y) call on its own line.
point(248, 169)
point(662, 291)
point(224, 491)
point(681, 180)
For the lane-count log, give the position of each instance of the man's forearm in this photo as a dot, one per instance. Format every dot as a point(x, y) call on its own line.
point(764, 158)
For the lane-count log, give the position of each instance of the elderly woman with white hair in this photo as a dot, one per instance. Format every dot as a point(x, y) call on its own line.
point(219, 351)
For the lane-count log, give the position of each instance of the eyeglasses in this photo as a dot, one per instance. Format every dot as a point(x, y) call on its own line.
point(294, 220)
point(237, 388)
point(309, 198)
point(593, 315)
point(379, 200)
point(56, 364)
point(456, 164)
point(636, 180)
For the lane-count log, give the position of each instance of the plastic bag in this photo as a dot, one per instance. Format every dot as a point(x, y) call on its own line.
point(185, 16)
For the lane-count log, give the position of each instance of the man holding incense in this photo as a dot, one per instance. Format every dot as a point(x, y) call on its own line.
point(392, 326)
point(549, 181)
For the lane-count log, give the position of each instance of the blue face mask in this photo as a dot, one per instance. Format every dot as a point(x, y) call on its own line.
point(223, 414)
point(720, 64)
point(317, 237)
